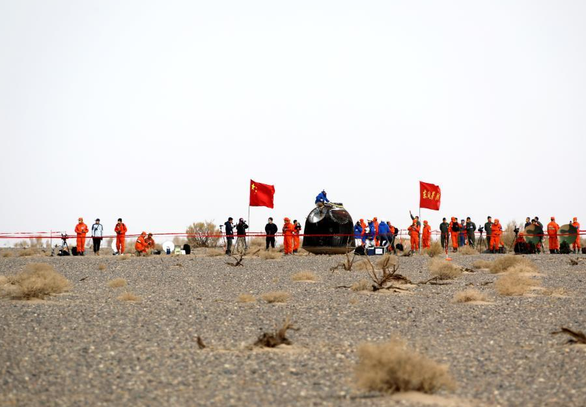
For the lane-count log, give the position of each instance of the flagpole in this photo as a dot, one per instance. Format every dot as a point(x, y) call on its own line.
point(420, 223)
point(249, 229)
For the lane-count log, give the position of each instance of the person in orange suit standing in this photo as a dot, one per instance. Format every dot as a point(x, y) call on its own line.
point(288, 229)
point(120, 230)
point(576, 244)
point(454, 232)
point(81, 230)
point(375, 223)
point(414, 235)
point(552, 232)
point(426, 236)
point(141, 244)
point(296, 232)
point(495, 239)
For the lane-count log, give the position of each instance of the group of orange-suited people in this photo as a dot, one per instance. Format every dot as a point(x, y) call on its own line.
point(143, 245)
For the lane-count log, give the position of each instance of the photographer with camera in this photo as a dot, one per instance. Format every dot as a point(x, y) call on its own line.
point(241, 236)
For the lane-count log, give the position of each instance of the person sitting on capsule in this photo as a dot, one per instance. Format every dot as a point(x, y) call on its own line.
point(321, 199)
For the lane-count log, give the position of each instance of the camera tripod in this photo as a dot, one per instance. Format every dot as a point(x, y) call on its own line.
point(480, 242)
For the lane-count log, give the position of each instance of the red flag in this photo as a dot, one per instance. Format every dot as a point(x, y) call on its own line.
point(261, 194)
point(430, 196)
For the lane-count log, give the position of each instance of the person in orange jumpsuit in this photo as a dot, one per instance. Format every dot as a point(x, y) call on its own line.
point(414, 235)
point(141, 244)
point(552, 233)
point(296, 233)
point(454, 232)
point(426, 243)
point(120, 230)
point(576, 244)
point(495, 239)
point(81, 230)
point(375, 223)
point(150, 241)
point(288, 229)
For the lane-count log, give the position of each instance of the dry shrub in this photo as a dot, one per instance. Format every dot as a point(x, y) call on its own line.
point(521, 269)
point(482, 264)
point(304, 276)
point(353, 301)
point(129, 296)
point(362, 265)
point(246, 298)
point(270, 255)
point(6, 253)
point(514, 284)
point(508, 236)
point(124, 256)
point(555, 292)
point(201, 234)
point(362, 285)
point(102, 267)
point(214, 252)
point(467, 251)
point(392, 367)
point(36, 281)
point(279, 337)
point(444, 269)
point(469, 295)
point(503, 264)
point(117, 283)
point(276, 296)
point(28, 252)
point(257, 242)
point(435, 249)
point(3, 280)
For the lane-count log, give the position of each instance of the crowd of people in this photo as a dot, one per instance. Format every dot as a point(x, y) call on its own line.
point(144, 244)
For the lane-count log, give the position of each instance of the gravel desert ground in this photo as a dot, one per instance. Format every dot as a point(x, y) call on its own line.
point(87, 347)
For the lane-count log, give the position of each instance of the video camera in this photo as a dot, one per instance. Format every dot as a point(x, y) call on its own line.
point(481, 229)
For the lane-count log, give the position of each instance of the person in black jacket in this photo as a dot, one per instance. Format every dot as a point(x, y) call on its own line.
point(229, 236)
point(470, 229)
point(241, 236)
point(271, 229)
point(444, 228)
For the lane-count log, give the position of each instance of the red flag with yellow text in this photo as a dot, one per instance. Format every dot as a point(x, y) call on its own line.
point(261, 194)
point(430, 196)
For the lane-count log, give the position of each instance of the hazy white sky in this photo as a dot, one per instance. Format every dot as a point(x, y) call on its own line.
point(161, 112)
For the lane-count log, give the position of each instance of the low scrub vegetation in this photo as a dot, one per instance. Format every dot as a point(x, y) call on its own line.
point(117, 283)
point(279, 337)
point(435, 249)
point(214, 252)
point(304, 276)
point(244, 298)
point(7, 253)
point(202, 234)
point(392, 367)
point(444, 270)
point(102, 267)
point(469, 295)
point(467, 251)
point(514, 284)
point(129, 296)
point(362, 285)
point(276, 297)
point(270, 254)
point(36, 281)
point(481, 264)
point(505, 263)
